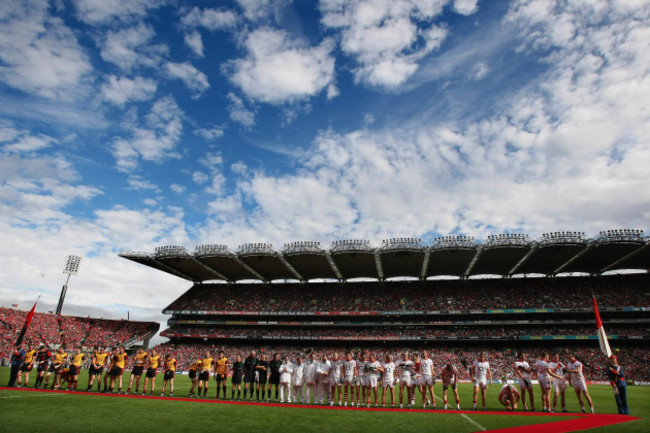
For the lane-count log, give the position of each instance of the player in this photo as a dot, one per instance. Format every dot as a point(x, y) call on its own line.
point(262, 371)
point(221, 372)
point(170, 372)
point(98, 362)
point(204, 374)
point(349, 377)
point(545, 378)
point(237, 375)
point(415, 377)
point(138, 369)
point(323, 369)
point(42, 363)
point(558, 382)
point(480, 373)
point(107, 373)
point(616, 376)
point(388, 381)
point(117, 370)
point(250, 370)
point(335, 378)
point(28, 364)
point(427, 381)
point(361, 379)
point(274, 379)
point(286, 375)
point(449, 377)
point(60, 359)
point(77, 359)
point(373, 370)
point(406, 370)
point(574, 368)
point(153, 361)
point(298, 381)
point(310, 379)
point(193, 374)
point(524, 374)
point(509, 396)
point(17, 359)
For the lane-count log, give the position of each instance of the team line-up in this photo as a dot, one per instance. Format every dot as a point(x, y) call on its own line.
point(357, 382)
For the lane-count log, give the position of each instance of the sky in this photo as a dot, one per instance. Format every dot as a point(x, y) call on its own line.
point(131, 124)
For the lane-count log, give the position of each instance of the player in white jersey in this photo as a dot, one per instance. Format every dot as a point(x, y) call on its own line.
point(480, 372)
point(373, 370)
point(415, 377)
point(574, 368)
point(406, 370)
point(298, 381)
point(509, 397)
point(286, 375)
point(545, 377)
point(426, 380)
point(388, 381)
point(335, 378)
point(323, 370)
point(559, 382)
point(524, 374)
point(349, 376)
point(310, 379)
point(449, 377)
point(361, 377)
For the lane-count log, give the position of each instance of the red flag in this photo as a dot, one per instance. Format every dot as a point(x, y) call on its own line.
point(28, 320)
point(602, 337)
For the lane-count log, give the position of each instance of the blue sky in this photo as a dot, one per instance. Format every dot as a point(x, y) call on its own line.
point(134, 124)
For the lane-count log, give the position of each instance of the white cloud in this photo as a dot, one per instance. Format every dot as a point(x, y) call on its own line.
point(139, 183)
point(387, 38)
point(466, 7)
point(200, 178)
point(178, 189)
point(155, 140)
point(195, 80)
point(102, 12)
point(39, 54)
point(479, 71)
point(279, 69)
point(210, 134)
point(121, 90)
point(194, 41)
point(27, 143)
point(210, 19)
point(238, 111)
point(256, 10)
point(131, 48)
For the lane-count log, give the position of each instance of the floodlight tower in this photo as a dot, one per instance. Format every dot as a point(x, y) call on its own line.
point(71, 268)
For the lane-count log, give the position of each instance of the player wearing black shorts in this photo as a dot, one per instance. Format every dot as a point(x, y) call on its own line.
point(42, 362)
point(274, 379)
point(27, 366)
point(204, 376)
point(77, 359)
point(262, 376)
point(97, 364)
point(119, 363)
point(138, 368)
point(168, 377)
point(152, 366)
point(250, 368)
point(237, 374)
point(194, 376)
point(60, 359)
point(221, 372)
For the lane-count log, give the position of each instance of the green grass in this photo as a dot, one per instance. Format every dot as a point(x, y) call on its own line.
point(53, 412)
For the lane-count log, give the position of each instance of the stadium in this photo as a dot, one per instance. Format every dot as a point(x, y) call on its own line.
point(454, 299)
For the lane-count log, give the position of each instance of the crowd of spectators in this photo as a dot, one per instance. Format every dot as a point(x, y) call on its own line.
point(440, 295)
point(636, 360)
point(69, 330)
point(396, 331)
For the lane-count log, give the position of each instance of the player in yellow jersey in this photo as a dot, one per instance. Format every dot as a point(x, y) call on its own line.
point(111, 364)
point(98, 362)
point(140, 361)
point(221, 370)
point(119, 362)
point(27, 366)
point(194, 377)
point(204, 376)
point(77, 359)
point(60, 359)
point(153, 361)
point(170, 369)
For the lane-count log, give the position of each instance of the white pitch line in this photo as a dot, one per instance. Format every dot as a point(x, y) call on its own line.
point(466, 417)
point(31, 395)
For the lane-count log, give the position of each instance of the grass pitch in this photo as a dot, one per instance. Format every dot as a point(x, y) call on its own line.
point(61, 411)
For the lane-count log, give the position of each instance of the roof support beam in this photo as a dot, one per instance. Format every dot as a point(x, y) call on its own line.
point(467, 272)
point(574, 258)
point(629, 256)
point(425, 264)
point(523, 259)
point(174, 271)
point(335, 268)
point(380, 269)
point(291, 268)
point(209, 269)
point(249, 269)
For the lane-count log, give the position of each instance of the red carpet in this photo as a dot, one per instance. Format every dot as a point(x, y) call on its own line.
point(579, 421)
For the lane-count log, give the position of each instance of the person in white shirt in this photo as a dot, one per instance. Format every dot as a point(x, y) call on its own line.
point(335, 378)
point(373, 370)
point(559, 382)
point(406, 370)
point(361, 376)
point(480, 372)
point(286, 373)
point(545, 377)
point(449, 377)
point(310, 389)
point(388, 381)
point(323, 370)
point(349, 376)
point(298, 381)
point(427, 381)
point(509, 397)
point(574, 368)
point(415, 377)
point(524, 374)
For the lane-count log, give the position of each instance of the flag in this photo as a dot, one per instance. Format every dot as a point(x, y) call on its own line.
point(602, 337)
point(28, 320)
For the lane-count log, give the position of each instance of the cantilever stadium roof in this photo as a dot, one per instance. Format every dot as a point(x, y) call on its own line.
point(460, 256)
